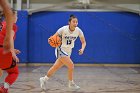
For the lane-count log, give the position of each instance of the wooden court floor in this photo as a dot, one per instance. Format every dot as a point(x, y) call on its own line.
point(91, 79)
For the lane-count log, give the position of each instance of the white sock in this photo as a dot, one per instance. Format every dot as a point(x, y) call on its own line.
point(46, 78)
point(71, 82)
point(6, 85)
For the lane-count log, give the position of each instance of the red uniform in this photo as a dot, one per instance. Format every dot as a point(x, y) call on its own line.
point(3, 31)
point(6, 61)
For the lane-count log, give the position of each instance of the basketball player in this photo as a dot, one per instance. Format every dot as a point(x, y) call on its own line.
point(5, 7)
point(69, 34)
point(8, 61)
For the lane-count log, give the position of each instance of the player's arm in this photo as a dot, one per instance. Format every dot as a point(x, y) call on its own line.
point(15, 58)
point(58, 33)
point(83, 41)
point(9, 23)
point(12, 41)
point(53, 35)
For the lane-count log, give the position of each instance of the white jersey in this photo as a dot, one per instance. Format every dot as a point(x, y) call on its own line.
point(68, 37)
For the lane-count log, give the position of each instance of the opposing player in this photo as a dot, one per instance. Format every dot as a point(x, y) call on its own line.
point(5, 7)
point(68, 34)
point(8, 61)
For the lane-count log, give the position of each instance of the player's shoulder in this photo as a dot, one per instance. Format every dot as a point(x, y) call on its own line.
point(65, 27)
point(79, 29)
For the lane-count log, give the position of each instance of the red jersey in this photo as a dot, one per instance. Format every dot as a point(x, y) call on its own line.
point(3, 31)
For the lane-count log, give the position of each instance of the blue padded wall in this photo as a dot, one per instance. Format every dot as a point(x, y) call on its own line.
point(21, 36)
point(112, 37)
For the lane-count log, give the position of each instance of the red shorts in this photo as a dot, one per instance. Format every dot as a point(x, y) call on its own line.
point(5, 59)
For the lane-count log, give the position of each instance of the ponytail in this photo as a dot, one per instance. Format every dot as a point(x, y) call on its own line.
point(71, 17)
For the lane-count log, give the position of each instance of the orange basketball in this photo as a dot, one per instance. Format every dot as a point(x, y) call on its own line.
point(55, 41)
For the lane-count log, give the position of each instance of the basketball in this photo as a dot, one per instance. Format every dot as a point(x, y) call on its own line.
point(55, 41)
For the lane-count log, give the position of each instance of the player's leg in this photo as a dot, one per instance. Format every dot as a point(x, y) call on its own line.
point(10, 78)
point(68, 62)
point(12, 75)
point(58, 64)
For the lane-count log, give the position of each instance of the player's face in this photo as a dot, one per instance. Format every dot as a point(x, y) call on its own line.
point(73, 22)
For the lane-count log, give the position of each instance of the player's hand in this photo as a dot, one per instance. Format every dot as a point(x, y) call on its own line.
point(49, 40)
point(81, 51)
point(15, 58)
point(17, 51)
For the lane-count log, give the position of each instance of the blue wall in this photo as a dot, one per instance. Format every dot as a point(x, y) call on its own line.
point(22, 36)
point(112, 37)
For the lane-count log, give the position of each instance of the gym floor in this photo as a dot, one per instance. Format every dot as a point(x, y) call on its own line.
point(91, 79)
